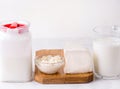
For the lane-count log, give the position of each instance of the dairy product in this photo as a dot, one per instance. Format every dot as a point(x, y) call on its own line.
point(49, 64)
point(107, 56)
point(50, 59)
point(78, 61)
point(15, 53)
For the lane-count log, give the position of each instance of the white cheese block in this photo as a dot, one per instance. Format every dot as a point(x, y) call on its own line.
point(78, 61)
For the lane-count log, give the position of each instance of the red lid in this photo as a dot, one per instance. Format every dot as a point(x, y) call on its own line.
point(16, 27)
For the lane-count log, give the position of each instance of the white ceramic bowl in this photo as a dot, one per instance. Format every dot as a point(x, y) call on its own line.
point(49, 68)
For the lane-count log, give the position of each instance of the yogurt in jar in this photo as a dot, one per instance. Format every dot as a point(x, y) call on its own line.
point(107, 57)
point(15, 52)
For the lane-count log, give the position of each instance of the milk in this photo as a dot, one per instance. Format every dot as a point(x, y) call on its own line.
point(15, 55)
point(107, 57)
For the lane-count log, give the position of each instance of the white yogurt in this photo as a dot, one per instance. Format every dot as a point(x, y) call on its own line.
point(107, 56)
point(15, 56)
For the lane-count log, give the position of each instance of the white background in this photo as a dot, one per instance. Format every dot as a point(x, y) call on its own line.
point(62, 18)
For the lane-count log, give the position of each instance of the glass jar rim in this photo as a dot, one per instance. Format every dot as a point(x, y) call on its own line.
point(15, 20)
point(106, 29)
point(20, 29)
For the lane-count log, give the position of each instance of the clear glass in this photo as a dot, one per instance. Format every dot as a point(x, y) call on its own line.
point(106, 52)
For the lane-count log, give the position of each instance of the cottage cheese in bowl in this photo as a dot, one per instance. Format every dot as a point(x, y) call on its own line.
point(49, 64)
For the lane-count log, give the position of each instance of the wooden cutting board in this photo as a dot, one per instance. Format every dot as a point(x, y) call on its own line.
point(60, 77)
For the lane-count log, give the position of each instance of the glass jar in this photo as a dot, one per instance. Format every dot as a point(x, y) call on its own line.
point(106, 48)
point(15, 52)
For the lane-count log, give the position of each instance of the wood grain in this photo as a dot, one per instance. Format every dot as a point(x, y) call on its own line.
point(60, 77)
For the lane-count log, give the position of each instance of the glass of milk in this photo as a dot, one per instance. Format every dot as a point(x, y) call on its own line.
point(15, 51)
point(106, 48)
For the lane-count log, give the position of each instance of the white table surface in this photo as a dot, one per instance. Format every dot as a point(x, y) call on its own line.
point(39, 44)
point(96, 84)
